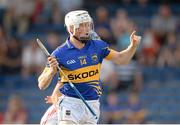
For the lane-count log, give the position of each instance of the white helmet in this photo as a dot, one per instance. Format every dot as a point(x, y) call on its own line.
point(75, 18)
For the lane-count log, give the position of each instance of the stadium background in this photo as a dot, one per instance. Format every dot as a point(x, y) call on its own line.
point(145, 91)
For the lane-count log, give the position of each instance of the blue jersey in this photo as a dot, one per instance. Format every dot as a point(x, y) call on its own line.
point(82, 67)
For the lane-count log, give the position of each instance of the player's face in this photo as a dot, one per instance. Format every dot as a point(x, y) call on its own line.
point(83, 32)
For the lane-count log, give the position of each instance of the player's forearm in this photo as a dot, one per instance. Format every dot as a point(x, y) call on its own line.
point(56, 93)
point(125, 56)
point(45, 79)
point(56, 89)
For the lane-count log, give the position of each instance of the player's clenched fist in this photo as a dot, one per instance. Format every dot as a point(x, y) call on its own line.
point(53, 64)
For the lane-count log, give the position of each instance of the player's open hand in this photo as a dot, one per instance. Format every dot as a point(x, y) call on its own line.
point(135, 40)
point(53, 64)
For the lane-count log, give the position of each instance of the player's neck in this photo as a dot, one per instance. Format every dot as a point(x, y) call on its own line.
point(77, 43)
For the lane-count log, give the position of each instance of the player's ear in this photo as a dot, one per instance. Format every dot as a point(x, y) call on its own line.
point(71, 29)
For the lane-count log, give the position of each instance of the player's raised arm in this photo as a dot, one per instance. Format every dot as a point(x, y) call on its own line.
point(46, 76)
point(126, 55)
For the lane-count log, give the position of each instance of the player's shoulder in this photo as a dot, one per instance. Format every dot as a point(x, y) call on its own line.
point(60, 49)
point(63, 46)
point(100, 43)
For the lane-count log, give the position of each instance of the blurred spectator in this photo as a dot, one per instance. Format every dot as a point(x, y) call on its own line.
point(135, 113)
point(3, 49)
point(18, 15)
point(126, 3)
point(12, 60)
point(102, 17)
point(163, 23)
point(69, 5)
point(119, 23)
point(102, 25)
point(22, 7)
point(129, 76)
point(142, 8)
point(166, 55)
point(142, 2)
point(149, 47)
point(122, 27)
point(1, 118)
point(53, 41)
point(16, 112)
point(177, 56)
point(56, 16)
point(3, 4)
point(114, 112)
point(110, 78)
point(171, 42)
point(107, 66)
point(166, 58)
point(9, 21)
point(36, 14)
point(33, 59)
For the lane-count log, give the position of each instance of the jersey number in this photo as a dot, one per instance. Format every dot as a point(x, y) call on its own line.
point(83, 61)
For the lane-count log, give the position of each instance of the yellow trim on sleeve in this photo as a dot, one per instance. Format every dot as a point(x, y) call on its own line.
point(46, 69)
point(110, 55)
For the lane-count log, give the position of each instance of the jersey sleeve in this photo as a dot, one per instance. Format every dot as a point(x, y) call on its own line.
point(55, 53)
point(106, 52)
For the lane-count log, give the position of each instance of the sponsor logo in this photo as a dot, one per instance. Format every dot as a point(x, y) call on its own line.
point(71, 61)
point(83, 75)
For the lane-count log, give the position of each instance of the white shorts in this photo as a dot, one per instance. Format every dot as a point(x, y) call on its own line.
point(73, 109)
point(50, 117)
